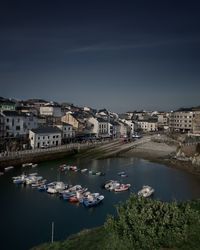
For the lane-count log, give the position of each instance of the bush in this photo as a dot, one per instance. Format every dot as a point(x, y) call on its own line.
point(149, 224)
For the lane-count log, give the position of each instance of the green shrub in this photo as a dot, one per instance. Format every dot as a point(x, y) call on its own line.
point(149, 224)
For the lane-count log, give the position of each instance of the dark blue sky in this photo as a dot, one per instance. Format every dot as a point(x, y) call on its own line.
point(122, 55)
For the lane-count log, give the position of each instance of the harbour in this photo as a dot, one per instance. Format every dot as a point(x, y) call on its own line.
point(30, 213)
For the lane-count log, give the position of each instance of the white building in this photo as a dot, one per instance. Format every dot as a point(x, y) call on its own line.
point(18, 124)
point(67, 131)
point(51, 110)
point(131, 124)
point(124, 129)
point(45, 137)
point(104, 128)
point(93, 126)
point(148, 125)
point(181, 121)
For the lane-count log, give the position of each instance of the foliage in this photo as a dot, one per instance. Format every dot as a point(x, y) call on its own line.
point(141, 224)
point(149, 224)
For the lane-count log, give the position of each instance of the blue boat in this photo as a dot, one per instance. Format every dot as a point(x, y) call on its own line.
point(93, 202)
point(42, 188)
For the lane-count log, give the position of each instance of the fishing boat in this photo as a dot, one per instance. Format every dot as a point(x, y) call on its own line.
point(19, 179)
point(8, 168)
point(146, 191)
point(93, 201)
point(100, 173)
point(59, 186)
point(27, 165)
point(34, 165)
point(42, 188)
point(111, 185)
point(73, 199)
point(84, 170)
point(51, 190)
point(122, 174)
point(122, 187)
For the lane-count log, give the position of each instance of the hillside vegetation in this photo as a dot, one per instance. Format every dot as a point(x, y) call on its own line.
point(141, 224)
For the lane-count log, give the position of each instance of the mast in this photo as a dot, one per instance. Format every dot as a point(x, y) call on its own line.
point(52, 232)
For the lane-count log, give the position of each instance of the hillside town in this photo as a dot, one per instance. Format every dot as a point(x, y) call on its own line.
point(37, 123)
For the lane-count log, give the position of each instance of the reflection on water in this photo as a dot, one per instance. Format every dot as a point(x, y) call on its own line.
point(26, 214)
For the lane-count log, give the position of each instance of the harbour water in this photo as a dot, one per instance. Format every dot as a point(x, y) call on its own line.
point(27, 214)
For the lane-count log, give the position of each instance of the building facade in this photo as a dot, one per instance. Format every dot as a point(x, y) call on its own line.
point(181, 121)
point(51, 110)
point(67, 131)
point(148, 126)
point(45, 137)
point(196, 123)
point(17, 124)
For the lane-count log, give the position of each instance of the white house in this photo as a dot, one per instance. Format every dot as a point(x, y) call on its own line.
point(18, 124)
point(67, 131)
point(148, 125)
point(45, 137)
point(124, 129)
point(104, 128)
point(93, 126)
point(51, 110)
point(131, 124)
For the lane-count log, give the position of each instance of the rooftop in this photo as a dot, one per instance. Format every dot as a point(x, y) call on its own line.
point(46, 130)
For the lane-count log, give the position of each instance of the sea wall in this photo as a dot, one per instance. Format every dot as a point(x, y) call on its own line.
point(36, 156)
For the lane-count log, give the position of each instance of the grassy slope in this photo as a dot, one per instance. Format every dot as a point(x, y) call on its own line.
point(94, 239)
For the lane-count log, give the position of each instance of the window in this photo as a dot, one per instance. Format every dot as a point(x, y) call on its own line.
point(17, 127)
point(7, 120)
point(38, 138)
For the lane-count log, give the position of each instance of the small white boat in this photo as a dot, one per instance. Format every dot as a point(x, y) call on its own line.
point(34, 165)
point(1, 173)
point(51, 190)
point(27, 165)
point(59, 186)
point(122, 187)
point(33, 174)
point(84, 170)
point(19, 179)
point(8, 168)
point(111, 185)
point(146, 191)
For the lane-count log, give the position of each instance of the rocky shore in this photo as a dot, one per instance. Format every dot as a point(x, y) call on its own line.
point(163, 153)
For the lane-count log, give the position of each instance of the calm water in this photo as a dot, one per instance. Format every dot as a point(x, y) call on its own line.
point(26, 214)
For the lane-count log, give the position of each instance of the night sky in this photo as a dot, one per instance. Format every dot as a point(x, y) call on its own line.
point(120, 55)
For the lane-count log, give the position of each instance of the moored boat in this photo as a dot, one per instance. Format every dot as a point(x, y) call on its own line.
point(92, 201)
point(27, 165)
point(84, 170)
point(122, 187)
point(8, 168)
point(146, 191)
